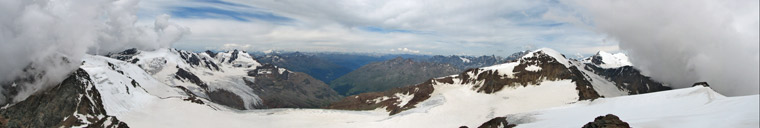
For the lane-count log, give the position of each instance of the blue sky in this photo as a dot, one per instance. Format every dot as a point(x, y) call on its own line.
point(480, 27)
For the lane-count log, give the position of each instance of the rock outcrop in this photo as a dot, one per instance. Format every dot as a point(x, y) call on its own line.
point(607, 121)
point(73, 103)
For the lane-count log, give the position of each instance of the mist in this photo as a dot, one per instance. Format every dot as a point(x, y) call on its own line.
point(680, 42)
point(44, 41)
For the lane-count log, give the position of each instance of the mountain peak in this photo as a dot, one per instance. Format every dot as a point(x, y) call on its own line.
point(550, 52)
point(608, 60)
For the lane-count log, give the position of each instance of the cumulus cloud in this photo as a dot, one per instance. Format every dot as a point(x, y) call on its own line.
point(43, 41)
point(684, 41)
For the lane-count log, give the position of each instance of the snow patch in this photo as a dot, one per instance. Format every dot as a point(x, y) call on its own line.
point(533, 68)
point(465, 60)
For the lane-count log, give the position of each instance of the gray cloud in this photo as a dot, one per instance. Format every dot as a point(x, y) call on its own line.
point(684, 41)
point(46, 39)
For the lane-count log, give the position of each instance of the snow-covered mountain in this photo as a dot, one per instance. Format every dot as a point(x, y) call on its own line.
point(231, 78)
point(541, 89)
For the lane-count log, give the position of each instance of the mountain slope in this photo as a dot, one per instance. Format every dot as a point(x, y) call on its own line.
point(319, 68)
point(280, 88)
point(534, 69)
point(381, 76)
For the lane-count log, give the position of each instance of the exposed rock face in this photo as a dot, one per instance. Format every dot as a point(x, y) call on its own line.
point(616, 68)
point(498, 122)
point(607, 121)
point(226, 98)
point(701, 84)
point(628, 78)
point(381, 76)
point(190, 77)
point(279, 88)
point(74, 102)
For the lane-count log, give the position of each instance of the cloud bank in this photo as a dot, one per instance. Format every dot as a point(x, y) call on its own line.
point(43, 41)
point(684, 41)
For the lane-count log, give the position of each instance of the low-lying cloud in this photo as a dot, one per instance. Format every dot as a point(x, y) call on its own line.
point(684, 41)
point(43, 41)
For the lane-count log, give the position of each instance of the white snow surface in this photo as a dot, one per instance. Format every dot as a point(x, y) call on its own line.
point(450, 105)
point(696, 107)
point(117, 92)
point(533, 68)
point(465, 60)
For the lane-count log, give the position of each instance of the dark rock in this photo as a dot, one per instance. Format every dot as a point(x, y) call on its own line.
point(701, 84)
point(227, 98)
point(210, 53)
point(607, 121)
point(192, 78)
point(498, 122)
point(628, 78)
point(234, 56)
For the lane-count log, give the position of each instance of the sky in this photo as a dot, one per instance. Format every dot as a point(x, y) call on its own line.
point(676, 42)
point(472, 27)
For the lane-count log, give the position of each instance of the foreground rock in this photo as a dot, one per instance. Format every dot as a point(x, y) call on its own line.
point(607, 121)
point(73, 103)
point(498, 122)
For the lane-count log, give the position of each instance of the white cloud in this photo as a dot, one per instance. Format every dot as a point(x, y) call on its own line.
point(683, 41)
point(406, 50)
point(51, 36)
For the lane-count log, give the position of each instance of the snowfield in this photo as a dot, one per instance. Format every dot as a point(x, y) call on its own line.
point(682, 108)
point(690, 107)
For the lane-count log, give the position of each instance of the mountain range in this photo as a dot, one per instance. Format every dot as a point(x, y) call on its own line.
point(542, 88)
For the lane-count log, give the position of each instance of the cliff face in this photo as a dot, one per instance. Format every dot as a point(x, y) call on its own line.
point(74, 102)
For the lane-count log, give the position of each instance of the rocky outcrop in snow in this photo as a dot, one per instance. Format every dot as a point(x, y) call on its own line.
point(607, 121)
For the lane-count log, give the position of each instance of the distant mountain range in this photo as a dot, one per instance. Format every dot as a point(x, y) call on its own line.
point(381, 76)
